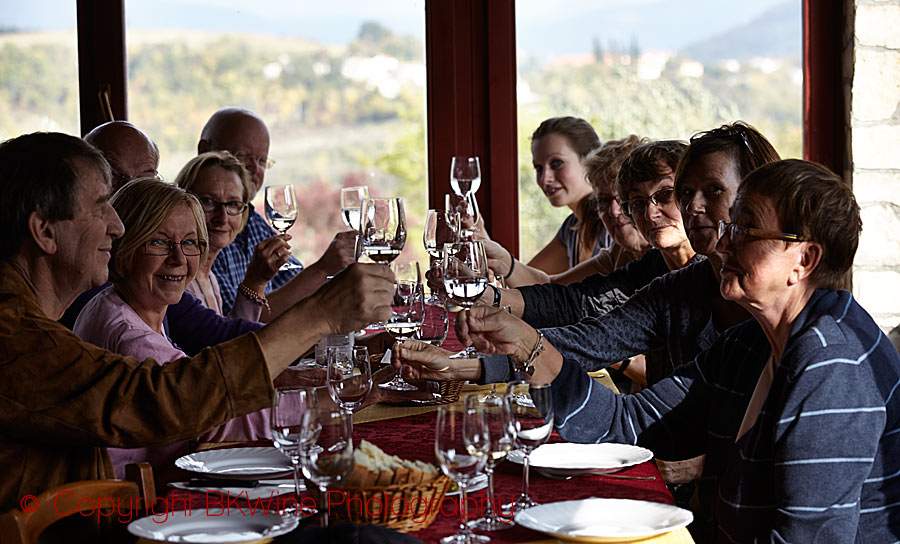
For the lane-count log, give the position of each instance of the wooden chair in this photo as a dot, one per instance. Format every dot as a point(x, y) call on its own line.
point(18, 527)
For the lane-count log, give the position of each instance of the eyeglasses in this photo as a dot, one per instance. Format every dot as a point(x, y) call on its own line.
point(211, 205)
point(161, 246)
point(638, 206)
point(737, 234)
point(727, 131)
point(602, 203)
point(262, 162)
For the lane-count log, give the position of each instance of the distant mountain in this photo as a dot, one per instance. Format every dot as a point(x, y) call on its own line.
point(778, 32)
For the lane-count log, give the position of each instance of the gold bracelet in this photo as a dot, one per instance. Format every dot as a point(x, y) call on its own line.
point(254, 296)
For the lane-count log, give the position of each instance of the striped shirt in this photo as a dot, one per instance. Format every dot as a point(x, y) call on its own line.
point(819, 465)
point(231, 264)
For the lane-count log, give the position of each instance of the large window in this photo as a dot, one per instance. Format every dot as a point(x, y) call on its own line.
point(38, 68)
point(656, 68)
point(341, 86)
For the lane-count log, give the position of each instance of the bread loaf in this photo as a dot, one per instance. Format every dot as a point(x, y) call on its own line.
point(374, 468)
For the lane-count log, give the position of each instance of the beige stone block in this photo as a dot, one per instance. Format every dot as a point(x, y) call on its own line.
point(877, 25)
point(876, 147)
point(876, 186)
point(876, 84)
point(879, 243)
point(877, 291)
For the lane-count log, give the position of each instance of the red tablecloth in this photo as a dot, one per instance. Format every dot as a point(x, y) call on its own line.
point(413, 438)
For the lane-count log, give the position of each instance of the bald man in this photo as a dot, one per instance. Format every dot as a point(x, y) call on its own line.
point(244, 134)
point(131, 153)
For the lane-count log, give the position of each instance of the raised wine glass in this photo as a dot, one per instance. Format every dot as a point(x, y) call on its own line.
point(349, 376)
point(532, 423)
point(461, 445)
point(382, 230)
point(407, 313)
point(465, 174)
point(469, 214)
point(329, 457)
point(435, 325)
point(281, 211)
point(441, 227)
point(293, 420)
point(499, 422)
point(351, 205)
point(465, 273)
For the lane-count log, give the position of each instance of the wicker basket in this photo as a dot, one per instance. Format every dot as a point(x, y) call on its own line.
point(404, 507)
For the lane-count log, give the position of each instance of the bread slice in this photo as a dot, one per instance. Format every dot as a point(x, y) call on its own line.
point(375, 468)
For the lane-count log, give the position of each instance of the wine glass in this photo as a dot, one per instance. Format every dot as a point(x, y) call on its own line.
point(461, 445)
point(407, 313)
point(441, 227)
point(532, 423)
point(293, 420)
point(465, 174)
point(435, 325)
point(281, 211)
point(329, 457)
point(499, 423)
point(349, 376)
point(351, 205)
point(382, 230)
point(465, 273)
point(467, 208)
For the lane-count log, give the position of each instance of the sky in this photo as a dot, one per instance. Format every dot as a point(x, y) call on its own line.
point(550, 28)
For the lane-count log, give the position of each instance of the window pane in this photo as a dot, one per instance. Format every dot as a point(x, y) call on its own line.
point(38, 68)
point(341, 86)
point(656, 68)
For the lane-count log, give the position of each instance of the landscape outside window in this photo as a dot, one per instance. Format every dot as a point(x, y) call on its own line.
point(655, 68)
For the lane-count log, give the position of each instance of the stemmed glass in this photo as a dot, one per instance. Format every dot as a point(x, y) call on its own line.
point(441, 227)
point(382, 229)
point(281, 211)
point(501, 432)
point(349, 376)
point(294, 421)
point(329, 457)
point(461, 445)
point(465, 175)
point(465, 273)
point(351, 205)
point(467, 207)
point(532, 423)
point(407, 313)
point(435, 325)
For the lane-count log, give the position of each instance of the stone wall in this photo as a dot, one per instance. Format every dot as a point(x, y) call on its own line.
point(875, 152)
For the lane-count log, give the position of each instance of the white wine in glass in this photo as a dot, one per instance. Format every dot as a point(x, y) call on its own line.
point(407, 313)
point(465, 174)
point(282, 211)
point(382, 231)
point(351, 205)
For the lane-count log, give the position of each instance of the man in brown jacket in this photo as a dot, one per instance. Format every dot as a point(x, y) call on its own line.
point(62, 401)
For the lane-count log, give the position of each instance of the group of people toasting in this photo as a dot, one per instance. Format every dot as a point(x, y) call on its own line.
point(709, 275)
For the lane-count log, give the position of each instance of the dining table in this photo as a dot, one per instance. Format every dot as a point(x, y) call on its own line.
point(408, 432)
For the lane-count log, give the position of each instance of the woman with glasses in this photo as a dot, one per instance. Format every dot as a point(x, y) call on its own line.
point(796, 410)
point(150, 267)
point(222, 184)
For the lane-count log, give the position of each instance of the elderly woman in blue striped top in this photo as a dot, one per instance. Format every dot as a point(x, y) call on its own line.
point(795, 409)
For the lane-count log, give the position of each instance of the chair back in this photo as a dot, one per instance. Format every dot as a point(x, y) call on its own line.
point(98, 498)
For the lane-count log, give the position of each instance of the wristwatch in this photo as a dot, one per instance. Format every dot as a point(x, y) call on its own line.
point(527, 366)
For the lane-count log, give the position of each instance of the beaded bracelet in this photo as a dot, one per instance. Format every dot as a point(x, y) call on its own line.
point(254, 296)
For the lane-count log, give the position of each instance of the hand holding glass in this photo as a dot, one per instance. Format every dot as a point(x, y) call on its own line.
point(407, 313)
point(281, 211)
point(465, 272)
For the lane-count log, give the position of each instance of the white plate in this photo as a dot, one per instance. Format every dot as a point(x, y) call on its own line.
point(238, 463)
point(202, 525)
point(565, 459)
point(604, 520)
point(479, 483)
point(262, 491)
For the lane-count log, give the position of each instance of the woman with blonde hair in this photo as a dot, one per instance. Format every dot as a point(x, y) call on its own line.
point(222, 185)
point(150, 267)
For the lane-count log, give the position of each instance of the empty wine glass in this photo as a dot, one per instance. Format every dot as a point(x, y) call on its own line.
point(351, 205)
point(407, 313)
point(461, 445)
point(465, 273)
point(499, 423)
point(293, 420)
point(349, 376)
point(532, 426)
point(382, 230)
point(441, 227)
point(281, 211)
point(469, 214)
point(329, 457)
point(435, 325)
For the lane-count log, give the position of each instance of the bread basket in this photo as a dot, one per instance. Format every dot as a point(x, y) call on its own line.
point(404, 507)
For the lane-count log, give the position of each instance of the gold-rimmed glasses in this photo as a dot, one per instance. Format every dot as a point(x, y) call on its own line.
point(738, 234)
point(637, 206)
